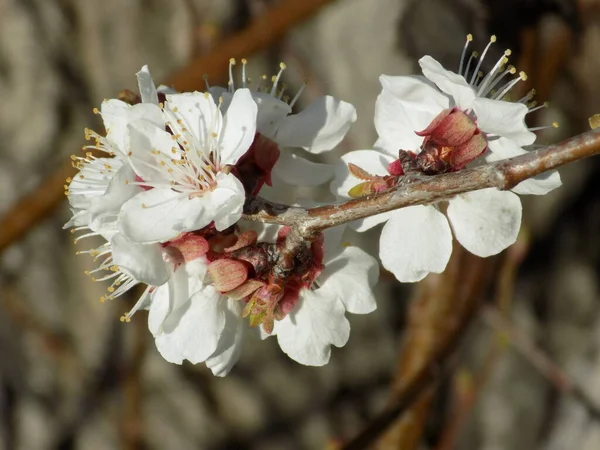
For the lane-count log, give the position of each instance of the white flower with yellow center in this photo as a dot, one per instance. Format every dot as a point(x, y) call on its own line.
point(186, 171)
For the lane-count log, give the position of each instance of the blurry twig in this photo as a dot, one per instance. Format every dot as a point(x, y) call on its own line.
point(57, 345)
point(548, 368)
point(262, 32)
point(265, 30)
point(440, 313)
point(467, 386)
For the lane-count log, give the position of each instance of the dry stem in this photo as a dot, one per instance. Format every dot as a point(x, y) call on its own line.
point(417, 189)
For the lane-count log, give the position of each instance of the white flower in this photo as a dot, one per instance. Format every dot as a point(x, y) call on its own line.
point(192, 320)
point(417, 240)
point(187, 169)
point(318, 319)
point(318, 128)
point(408, 104)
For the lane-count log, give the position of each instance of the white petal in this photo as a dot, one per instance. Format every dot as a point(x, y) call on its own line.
point(239, 127)
point(540, 185)
point(195, 335)
point(229, 197)
point(170, 300)
point(294, 169)
point(404, 106)
point(159, 309)
point(317, 322)
point(107, 206)
point(319, 127)
point(367, 223)
point(199, 113)
point(485, 222)
point(159, 214)
point(333, 238)
point(143, 261)
point(505, 119)
point(144, 138)
point(504, 148)
point(117, 115)
point(414, 242)
point(351, 273)
point(372, 161)
point(146, 86)
point(156, 215)
point(230, 343)
point(271, 111)
point(449, 82)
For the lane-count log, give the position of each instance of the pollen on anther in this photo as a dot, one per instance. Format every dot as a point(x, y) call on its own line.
point(469, 37)
point(244, 61)
point(282, 66)
point(232, 61)
point(507, 52)
point(493, 38)
point(554, 124)
point(96, 111)
point(523, 75)
point(144, 205)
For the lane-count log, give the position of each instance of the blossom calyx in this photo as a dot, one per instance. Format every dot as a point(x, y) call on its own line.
point(452, 140)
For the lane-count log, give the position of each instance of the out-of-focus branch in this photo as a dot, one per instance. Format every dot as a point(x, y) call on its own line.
point(439, 314)
point(417, 189)
point(548, 368)
point(261, 33)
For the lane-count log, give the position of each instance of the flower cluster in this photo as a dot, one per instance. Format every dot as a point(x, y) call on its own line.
point(167, 187)
point(165, 190)
point(442, 122)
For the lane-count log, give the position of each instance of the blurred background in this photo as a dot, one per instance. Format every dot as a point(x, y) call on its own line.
point(72, 376)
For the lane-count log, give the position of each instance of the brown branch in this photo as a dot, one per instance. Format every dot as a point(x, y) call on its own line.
point(264, 31)
point(542, 362)
point(417, 189)
point(440, 314)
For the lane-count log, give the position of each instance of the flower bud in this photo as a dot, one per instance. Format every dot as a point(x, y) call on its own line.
point(227, 274)
point(452, 140)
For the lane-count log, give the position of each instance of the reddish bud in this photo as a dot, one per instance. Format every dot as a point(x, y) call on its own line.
point(450, 128)
point(395, 168)
point(452, 140)
point(255, 166)
point(258, 256)
point(245, 289)
point(220, 242)
point(467, 152)
point(190, 245)
point(227, 274)
point(243, 240)
point(261, 306)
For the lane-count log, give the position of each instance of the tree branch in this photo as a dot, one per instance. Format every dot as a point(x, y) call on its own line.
point(419, 189)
